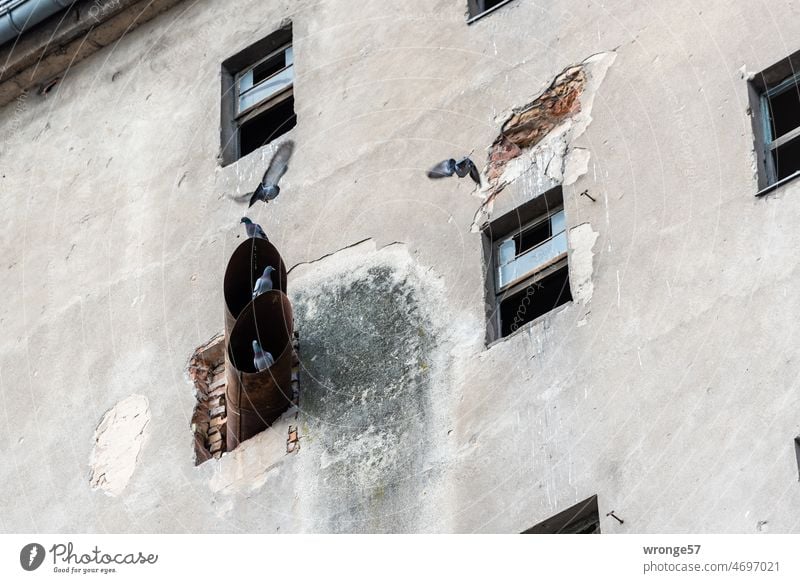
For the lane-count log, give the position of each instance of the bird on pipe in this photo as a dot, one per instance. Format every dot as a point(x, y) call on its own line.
point(263, 283)
point(254, 230)
point(460, 168)
point(262, 359)
point(268, 188)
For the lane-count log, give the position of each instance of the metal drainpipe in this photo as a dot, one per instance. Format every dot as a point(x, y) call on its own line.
point(17, 16)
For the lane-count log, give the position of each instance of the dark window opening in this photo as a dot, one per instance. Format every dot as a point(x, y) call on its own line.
point(258, 95)
point(268, 68)
point(775, 103)
point(784, 110)
point(531, 237)
point(786, 159)
point(583, 518)
point(534, 300)
point(480, 7)
point(267, 126)
point(797, 454)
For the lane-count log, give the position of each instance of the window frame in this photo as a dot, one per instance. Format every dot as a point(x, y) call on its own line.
point(542, 270)
point(769, 83)
point(476, 10)
point(233, 70)
point(271, 100)
point(526, 216)
point(574, 520)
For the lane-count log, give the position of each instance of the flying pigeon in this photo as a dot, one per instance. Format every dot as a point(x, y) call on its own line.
point(261, 358)
point(268, 187)
point(460, 168)
point(254, 230)
point(263, 283)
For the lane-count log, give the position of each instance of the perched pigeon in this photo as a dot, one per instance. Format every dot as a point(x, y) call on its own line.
point(263, 283)
point(268, 188)
point(261, 358)
point(254, 230)
point(461, 169)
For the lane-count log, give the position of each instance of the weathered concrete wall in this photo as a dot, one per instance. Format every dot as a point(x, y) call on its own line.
point(667, 387)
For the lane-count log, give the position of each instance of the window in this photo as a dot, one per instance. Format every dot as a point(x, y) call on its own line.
point(527, 252)
point(583, 518)
point(478, 8)
point(797, 454)
point(775, 101)
point(258, 95)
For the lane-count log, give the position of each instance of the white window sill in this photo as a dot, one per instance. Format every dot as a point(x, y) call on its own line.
point(778, 184)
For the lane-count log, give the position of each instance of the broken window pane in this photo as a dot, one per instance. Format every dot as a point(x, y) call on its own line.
point(530, 238)
point(266, 89)
point(534, 260)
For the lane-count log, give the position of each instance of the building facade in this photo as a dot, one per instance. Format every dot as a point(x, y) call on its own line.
point(604, 327)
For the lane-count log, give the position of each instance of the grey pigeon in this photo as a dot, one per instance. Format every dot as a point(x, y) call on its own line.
point(254, 230)
point(261, 358)
point(460, 168)
point(268, 188)
point(263, 283)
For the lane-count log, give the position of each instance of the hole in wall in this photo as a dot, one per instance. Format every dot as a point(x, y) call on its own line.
point(207, 371)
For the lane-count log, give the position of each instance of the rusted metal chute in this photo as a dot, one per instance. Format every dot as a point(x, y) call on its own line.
point(245, 266)
point(255, 399)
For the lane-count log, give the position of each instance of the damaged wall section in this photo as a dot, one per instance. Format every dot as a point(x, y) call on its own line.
point(118, 441)
point(373, 346)
point(529, 124)
point(535, 140)
point(207, 372)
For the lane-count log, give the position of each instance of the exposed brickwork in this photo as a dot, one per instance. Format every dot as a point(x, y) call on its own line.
point(207, 371)
point(528, 125)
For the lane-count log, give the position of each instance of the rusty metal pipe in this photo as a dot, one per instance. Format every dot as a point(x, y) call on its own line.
point(244, 268)
point(256, 399)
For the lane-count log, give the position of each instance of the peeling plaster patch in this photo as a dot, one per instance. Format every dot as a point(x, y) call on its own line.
point(576, 165)
point(118, 441)
point(535, 140)
point(581, 241)
point(377, 340)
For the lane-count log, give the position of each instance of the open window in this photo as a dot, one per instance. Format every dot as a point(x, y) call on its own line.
point(775, 103)
point(258, 95)
point(527, 254)
point(583, 518)
point(479, 8)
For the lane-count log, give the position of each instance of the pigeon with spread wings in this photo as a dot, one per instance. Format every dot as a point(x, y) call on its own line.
point(268, 188)
point(460, 168)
